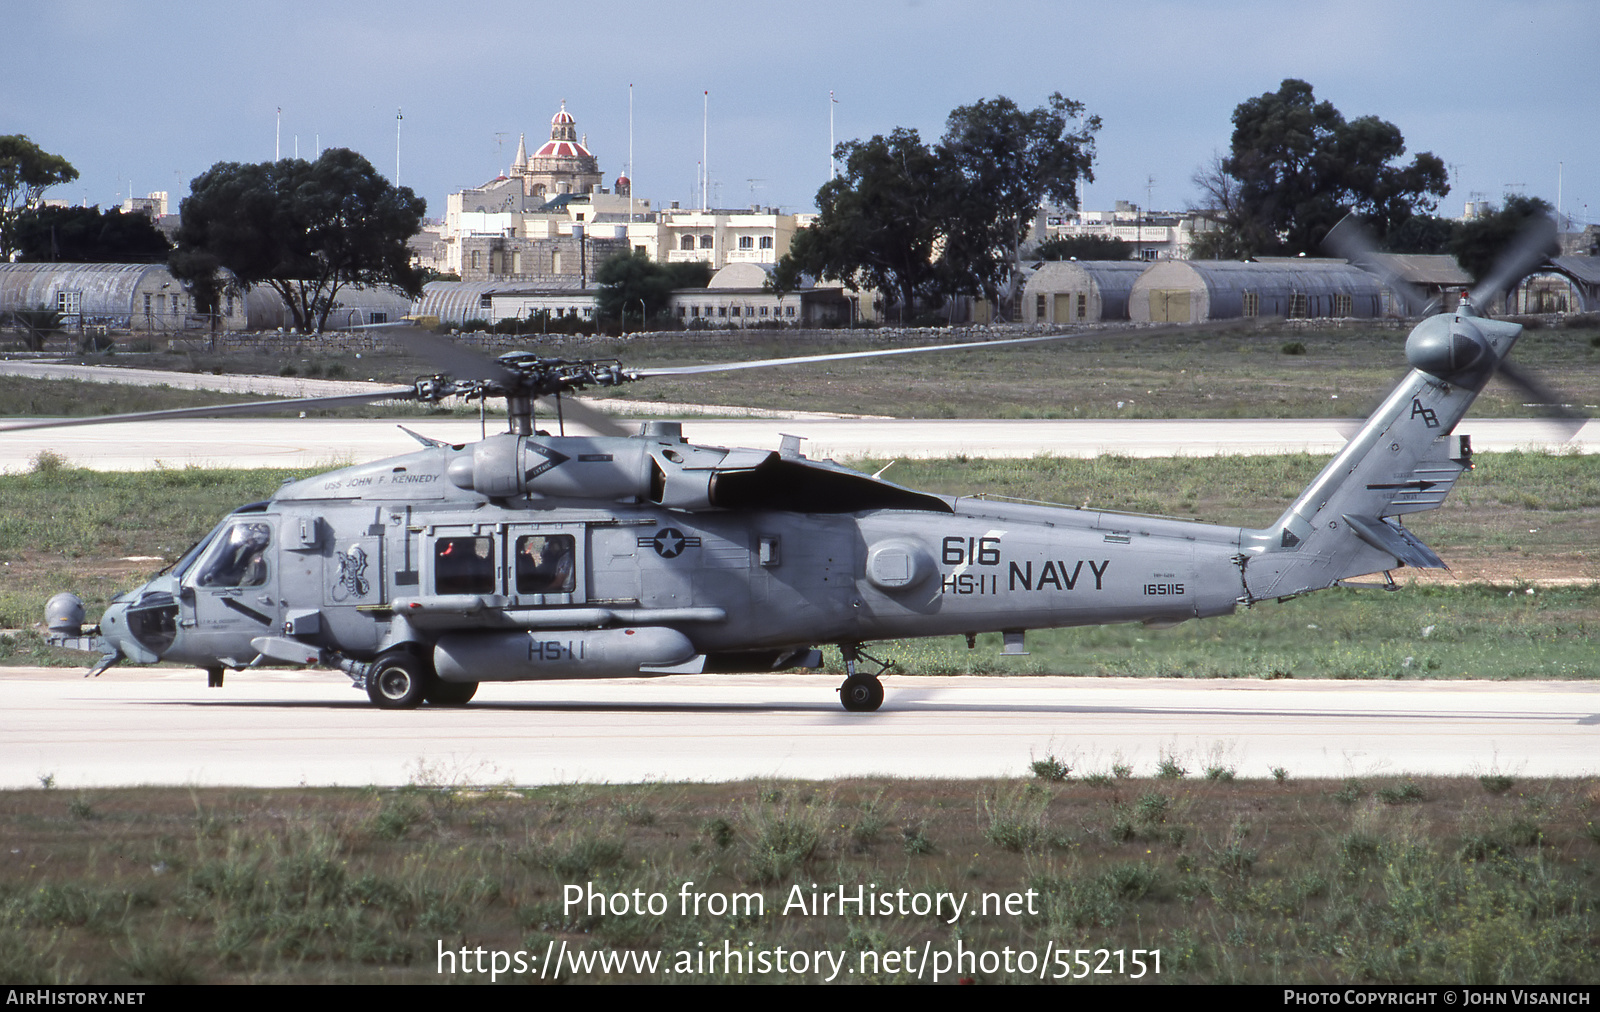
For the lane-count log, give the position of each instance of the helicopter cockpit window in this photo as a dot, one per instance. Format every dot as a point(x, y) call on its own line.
point(463, 566)
point(238, 557)
point(545, 564)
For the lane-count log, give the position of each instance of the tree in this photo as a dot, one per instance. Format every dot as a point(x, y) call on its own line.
point(87, 235)
point(1220, 208)
point(25, 173)
point(1299, 167)
point(1421, 233)
point(881, 222)
point(1479, 243)
point(1083, 247)
point(1009, 161)
point(305, 229)
point(626, 279)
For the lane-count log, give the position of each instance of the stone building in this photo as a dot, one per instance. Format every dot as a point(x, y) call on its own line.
point(514, 221)
point(550, 261)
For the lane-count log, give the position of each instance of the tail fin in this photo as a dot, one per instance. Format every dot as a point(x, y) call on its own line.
point(1404, 460)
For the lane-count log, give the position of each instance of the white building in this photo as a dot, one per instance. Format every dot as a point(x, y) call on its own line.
point(1154, 235)
point(760, 235)
point(738, 296)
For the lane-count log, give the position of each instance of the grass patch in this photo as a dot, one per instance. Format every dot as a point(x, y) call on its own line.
point(1266, 881)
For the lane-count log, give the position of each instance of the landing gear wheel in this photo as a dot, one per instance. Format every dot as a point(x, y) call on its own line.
point(861, 693)
point(443, 693)
point(399, 681)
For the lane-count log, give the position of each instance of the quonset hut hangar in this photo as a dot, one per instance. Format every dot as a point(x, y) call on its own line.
point(1194, 291)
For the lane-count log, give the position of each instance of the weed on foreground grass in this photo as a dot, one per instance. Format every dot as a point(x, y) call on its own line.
point(1381, 879)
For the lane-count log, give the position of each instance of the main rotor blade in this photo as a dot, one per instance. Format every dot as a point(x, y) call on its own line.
point(224, 410)
point(1530, 248)
point(459, 362)
point(591, 418)
point(692, 370)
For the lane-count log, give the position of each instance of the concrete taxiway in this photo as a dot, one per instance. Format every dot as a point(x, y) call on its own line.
point(286, 728)
point(321, 442)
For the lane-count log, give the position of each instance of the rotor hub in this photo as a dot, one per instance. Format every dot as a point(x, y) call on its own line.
point(1447, 346)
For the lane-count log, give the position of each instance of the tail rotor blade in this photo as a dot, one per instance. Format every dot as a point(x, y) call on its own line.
point(1352, 240)
point(1529, 249)
point(1563, 417)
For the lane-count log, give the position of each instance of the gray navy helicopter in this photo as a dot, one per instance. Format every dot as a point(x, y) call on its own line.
point(535, 556)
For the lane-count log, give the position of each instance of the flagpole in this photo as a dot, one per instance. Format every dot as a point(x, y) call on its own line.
point(705, 169)
point(630, 154)
point(833, 169)
point(397, 118)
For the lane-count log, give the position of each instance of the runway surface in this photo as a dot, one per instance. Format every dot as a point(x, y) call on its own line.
point(321, 442)
point(286, 728)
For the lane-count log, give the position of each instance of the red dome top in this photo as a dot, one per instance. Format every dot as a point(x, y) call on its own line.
point(562, 149)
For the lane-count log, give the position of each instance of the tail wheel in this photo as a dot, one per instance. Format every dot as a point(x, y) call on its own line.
point(443, 693)
point(861, 693)
point(399, 681)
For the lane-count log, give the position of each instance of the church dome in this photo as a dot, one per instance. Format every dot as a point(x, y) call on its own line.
point(562, 149)
point(563, 141)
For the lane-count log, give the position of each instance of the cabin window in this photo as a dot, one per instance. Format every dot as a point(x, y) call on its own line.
point(1342, 305)
point(239, 558)
point(546, 564)
point(463, 565)
point(1252, 304)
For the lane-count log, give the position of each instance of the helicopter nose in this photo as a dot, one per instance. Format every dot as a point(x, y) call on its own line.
point(141, 626)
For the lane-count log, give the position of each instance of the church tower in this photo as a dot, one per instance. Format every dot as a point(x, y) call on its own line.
point(562, 165)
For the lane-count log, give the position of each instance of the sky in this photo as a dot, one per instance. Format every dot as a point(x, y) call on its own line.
point(149, 95)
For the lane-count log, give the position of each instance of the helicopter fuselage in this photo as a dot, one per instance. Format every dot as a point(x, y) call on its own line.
point(527, 586)
point(525, 556)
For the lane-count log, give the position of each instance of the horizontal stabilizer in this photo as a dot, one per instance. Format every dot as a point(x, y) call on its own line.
point(1395, 540)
